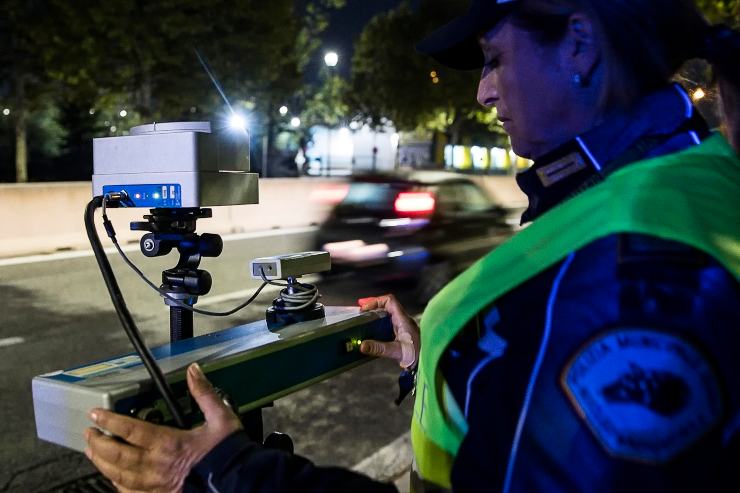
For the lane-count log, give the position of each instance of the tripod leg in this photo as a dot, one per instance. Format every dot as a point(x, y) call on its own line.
point(252, 421)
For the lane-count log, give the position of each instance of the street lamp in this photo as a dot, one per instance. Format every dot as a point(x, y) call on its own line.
point(331, 59)
point(123, 113)
point(283, 110)
point(295, 122)
point(238, 122)
point(6, 111)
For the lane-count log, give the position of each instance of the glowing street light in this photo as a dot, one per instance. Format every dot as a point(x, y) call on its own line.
point(6, 111)
point(295, 122)
point(238, 122)
point(698, 94)
point(331, 59)
point(123, 113)
point(283, 110)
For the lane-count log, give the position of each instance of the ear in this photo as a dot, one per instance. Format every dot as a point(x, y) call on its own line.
point(581, 49)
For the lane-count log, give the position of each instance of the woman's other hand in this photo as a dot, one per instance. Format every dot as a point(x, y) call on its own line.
point(156, 458)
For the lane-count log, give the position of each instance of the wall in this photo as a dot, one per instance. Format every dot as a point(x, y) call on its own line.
point(47, 217)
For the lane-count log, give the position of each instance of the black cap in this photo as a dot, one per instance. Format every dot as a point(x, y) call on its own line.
point(455, 44)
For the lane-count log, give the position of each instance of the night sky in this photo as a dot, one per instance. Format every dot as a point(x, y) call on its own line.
point(345, 26)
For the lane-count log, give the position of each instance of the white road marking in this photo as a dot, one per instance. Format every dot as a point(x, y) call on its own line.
point(30, 259)
point(390, 462)
point(10, 341)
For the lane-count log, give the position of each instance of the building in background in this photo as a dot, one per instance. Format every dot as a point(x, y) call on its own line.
point(347, 149)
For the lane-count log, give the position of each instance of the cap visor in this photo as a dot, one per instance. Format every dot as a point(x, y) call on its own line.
point(455, 45)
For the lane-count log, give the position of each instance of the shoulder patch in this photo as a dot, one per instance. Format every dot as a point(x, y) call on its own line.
point(646, 395)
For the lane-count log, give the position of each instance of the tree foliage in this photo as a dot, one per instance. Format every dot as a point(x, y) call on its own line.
point(390, 79)
point(725, 11)
point(97, 58)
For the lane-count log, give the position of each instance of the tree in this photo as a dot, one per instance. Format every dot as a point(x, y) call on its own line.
point(390, 79)
point(99, 58)
point(327, 105)
point(24, 33)
point(726, 11)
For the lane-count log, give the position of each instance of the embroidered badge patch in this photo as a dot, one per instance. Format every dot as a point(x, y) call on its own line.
point(646, 395)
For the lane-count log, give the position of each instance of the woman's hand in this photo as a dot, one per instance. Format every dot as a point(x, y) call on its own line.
point(405, 348)
point(157, 458)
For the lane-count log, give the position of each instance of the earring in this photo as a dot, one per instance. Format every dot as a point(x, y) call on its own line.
point(577, 80)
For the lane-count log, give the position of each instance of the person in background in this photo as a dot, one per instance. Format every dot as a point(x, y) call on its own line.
point(599, 348)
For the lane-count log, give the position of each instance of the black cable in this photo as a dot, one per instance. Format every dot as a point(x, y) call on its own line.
point(177, 302)
point(125, 316)
point(305, 295)
point(112, 235)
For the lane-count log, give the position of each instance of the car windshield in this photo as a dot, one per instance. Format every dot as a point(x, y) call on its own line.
point(371, 196)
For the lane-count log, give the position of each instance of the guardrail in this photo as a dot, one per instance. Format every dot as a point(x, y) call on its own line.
point(48, 217)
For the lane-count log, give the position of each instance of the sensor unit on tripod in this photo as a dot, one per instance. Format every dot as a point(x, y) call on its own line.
point(292, 265)
point(175, 164)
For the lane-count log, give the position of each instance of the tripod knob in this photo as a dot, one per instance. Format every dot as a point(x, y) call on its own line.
point(210, 245)
point(193, 281)
point(199, 284)
point(152, 246)
point(279, 441)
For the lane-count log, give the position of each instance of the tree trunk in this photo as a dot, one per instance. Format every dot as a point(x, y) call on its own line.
point(455, 127)
point(21, 118)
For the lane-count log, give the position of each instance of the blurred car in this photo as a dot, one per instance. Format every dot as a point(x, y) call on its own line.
point(425, 226)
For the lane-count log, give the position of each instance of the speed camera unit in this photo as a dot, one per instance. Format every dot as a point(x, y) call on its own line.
point(176, 165)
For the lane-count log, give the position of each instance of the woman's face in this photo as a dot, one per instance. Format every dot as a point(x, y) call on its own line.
point(531, 90)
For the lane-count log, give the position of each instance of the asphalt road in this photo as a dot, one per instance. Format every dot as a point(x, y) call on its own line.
point(56, 314)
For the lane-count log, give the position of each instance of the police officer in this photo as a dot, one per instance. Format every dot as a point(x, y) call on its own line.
point(598, 349)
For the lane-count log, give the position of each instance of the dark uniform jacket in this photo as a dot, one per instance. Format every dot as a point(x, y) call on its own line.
point(639, 390)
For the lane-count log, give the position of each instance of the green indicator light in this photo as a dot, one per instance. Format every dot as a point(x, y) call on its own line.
point(353, 345)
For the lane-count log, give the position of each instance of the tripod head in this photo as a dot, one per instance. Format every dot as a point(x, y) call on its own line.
point(175, 228)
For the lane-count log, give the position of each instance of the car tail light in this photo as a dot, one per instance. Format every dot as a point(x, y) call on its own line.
point(414, 203)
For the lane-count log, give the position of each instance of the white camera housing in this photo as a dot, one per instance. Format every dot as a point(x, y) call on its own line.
point(290, 265)
point(176, 164)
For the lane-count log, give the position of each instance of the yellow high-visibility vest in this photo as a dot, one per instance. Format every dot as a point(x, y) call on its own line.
point(692, 197)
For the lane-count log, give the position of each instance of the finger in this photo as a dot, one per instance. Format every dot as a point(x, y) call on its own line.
point(367, 304)
point(391, 350)
point(123, 478)
point(389, 303)
point(113, 451)
point(213, 407)
point(134, 431)
point(399, 317)
point(122, 489)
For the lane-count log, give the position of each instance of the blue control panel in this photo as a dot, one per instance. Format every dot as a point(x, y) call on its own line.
point(151, 196)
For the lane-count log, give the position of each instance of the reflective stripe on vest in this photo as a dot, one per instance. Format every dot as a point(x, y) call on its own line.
point(692, 197)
